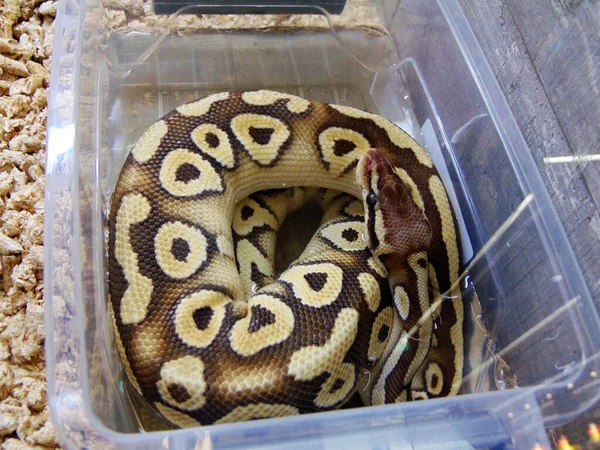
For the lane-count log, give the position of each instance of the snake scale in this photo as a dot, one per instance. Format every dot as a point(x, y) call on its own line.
point(205, 330)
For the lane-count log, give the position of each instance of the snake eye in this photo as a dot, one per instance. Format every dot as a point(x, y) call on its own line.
point(372, 198)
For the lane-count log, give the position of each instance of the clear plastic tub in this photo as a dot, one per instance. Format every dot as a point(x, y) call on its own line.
point(420, 67)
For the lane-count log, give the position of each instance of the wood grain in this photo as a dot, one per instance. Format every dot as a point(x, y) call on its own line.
point(546, 57)
point(540, 53)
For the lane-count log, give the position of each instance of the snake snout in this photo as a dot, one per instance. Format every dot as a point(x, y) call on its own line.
point(373, 169)
point(377, 172)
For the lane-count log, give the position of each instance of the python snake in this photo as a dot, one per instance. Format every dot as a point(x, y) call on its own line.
point(356, 312)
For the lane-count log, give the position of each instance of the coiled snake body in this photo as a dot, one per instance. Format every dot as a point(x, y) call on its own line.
point(352, 313)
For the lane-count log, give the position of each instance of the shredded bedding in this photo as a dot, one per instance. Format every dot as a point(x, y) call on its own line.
point(26, 33)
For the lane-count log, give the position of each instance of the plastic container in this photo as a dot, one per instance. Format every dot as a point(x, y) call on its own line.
point(423, 69)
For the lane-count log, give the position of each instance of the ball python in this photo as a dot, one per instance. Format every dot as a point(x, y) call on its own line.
point(197, 348)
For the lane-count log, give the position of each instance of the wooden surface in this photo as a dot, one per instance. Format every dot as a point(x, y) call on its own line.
point(546, 56)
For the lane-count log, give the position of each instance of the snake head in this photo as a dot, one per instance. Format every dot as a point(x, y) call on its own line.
point(395, 224)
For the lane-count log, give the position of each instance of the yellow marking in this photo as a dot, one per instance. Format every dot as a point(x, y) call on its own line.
point(355, 208)
point(209, 179)
point(185, 373)
point(202, 106)
point(262, 98)
point(163, 243)
point(477, 344)
point(416, 195)
point(435, 288)
point(121, 349)
point(448, 231)
point(434, 369)
point(380, 232)
point(377, 267)
point(260, 216)
point(148, 144)
point(344, 372)
point(398, 136)
point(134, 305)
point(370, 289)
point(339, 163)
point(276, 288)
point(334, 234)
point(374, 183)
point(258, 411)
point(419, 395)
point(148, 345)
point(225, 246)
point(186, 326)
point(246, 343)
point(449, 236)
point(390, 363)
point(378, 225)
point(263, 154)
point(421, 340)
point(376, 348)
point(425, 324)
point(176, 417)
point(250, 378)
point(223, 152)
point(247, 254)
point(299, 276)
point(402, 302)
point(402, 397)
point(311, 361)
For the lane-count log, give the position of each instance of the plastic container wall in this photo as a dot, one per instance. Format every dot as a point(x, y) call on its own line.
point(423, 70)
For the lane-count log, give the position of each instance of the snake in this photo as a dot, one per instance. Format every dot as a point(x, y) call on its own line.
point(207, 333)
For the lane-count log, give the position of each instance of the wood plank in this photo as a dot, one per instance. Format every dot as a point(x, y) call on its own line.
point(568, 185)
point(545, 55)
point(564, 45)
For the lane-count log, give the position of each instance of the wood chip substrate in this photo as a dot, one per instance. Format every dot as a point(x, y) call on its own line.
point(26, 33)
point(138, 15)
